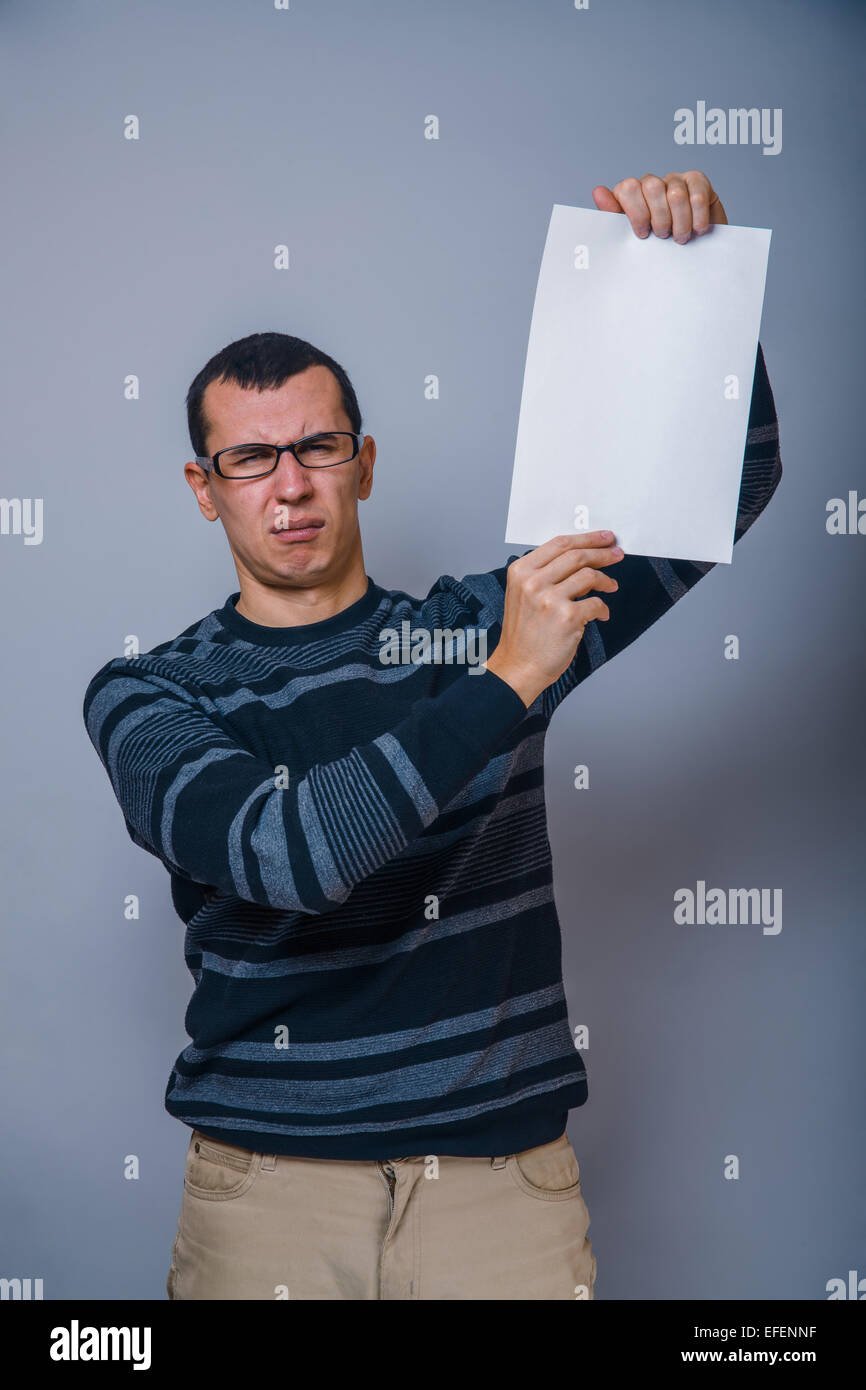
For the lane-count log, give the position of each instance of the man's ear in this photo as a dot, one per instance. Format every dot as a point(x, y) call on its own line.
point(365, 471)
point(199, 481)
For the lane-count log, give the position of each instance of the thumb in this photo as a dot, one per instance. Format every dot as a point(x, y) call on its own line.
point(605, 200)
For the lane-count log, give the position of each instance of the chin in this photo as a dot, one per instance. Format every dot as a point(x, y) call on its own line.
point(308, 565)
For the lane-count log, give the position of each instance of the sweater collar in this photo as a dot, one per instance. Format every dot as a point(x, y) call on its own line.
point(293, 636)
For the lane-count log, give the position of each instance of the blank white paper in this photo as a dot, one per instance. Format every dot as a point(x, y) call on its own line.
point(637, 386)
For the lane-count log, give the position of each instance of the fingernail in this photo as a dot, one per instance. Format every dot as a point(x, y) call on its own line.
point(608, 535)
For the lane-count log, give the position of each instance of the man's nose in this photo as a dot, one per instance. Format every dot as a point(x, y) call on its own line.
point(289, 477)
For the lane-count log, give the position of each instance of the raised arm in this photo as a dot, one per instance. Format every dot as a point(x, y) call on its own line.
point(213, 812)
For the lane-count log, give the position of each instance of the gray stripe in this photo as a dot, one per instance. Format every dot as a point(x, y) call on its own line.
point(104, 701)
point(760, 434)
point(489, 591)
point(419, 1081)
point(439, 1117)
point(347, 958)
point(594, 643)
point(111, 695)
point(226, 920)
point(408, 775)
point(237, 868)
point(186, 775)
point(330, 879)
point(528, 754)
point(380, 1042)
point(669, 579)
point(301, 685)
point(269, 844)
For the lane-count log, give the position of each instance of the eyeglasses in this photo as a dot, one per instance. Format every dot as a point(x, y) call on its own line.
point(324, 450)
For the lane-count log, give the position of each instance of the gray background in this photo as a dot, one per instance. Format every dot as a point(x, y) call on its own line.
point(410, 257)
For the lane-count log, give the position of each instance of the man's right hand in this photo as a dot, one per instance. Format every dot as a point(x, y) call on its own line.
point(545, 614)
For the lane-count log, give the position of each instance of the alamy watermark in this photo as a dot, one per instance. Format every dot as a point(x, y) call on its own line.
point(22, 516)
point(738, 126)
point(77, 1343)
point(704, 906)
point(420, 646)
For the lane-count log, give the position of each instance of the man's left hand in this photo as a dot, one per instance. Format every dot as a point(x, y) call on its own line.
point(677, 205)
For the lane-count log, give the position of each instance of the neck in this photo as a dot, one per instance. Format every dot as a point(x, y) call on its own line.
point(298, 605)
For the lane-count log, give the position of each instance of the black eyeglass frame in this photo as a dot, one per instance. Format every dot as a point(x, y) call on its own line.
point(213, 463)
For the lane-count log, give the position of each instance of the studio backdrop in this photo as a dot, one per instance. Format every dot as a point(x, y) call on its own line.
point(378, 179)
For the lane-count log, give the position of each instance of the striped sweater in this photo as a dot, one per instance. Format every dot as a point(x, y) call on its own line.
point(359, 852)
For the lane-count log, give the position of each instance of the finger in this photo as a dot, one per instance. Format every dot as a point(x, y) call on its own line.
point(604, 199)
point(680, 206)
point(630, 196)
point(586, 610)
point(573, 586)
point(655, 193)
point(572, 561)
point(700, 192)
point(542, 554)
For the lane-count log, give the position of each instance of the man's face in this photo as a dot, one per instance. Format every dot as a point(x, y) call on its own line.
point(258, 513)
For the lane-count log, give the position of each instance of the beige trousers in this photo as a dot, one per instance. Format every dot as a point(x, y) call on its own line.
point(266, 1226)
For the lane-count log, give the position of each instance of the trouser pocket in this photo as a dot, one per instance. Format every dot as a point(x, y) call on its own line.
point(216, 1171)
point(549, 1172)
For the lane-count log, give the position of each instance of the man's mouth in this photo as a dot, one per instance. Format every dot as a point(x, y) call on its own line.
point(301, 529)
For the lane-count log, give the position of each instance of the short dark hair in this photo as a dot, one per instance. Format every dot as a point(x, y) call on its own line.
point(262, 361)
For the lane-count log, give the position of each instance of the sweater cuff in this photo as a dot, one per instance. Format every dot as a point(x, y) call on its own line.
point(480, 709)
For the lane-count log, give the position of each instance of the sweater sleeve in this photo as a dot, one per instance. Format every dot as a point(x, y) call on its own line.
point(214, 813)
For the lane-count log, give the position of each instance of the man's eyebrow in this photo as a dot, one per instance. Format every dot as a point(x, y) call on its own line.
point(328, 429)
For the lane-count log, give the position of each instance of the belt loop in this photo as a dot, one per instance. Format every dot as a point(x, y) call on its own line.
point(497, 1162)
point(269, 1161)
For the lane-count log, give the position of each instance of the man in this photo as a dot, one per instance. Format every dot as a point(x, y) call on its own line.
point(381, 1064)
